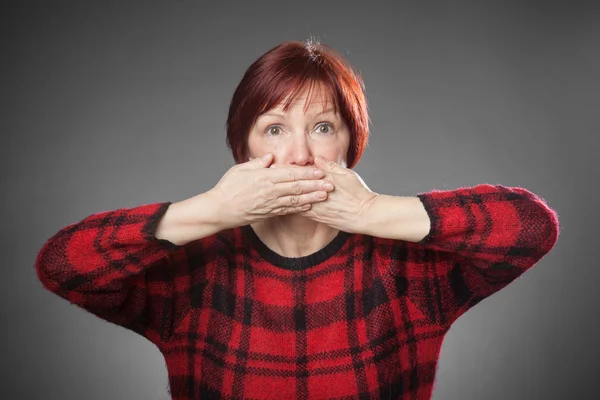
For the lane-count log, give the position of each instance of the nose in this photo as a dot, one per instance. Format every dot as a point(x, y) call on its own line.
point(301, 152)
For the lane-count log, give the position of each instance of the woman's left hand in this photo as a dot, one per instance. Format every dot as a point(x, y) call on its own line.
point(347, 205)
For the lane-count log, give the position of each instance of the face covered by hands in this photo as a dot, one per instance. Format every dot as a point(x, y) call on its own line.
point(347, 205)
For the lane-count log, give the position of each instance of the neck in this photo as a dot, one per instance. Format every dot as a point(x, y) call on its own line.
point(293, 235)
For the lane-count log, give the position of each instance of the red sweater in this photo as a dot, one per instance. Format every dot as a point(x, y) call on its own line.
point(362, 318)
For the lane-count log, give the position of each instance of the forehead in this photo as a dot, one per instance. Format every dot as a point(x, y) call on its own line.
point(316, 100)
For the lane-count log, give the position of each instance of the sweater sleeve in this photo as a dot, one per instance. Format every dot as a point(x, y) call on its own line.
point(112, 265)
point(483, 237)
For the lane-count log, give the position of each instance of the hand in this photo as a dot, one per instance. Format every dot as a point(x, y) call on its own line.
point(347, 205)
point(252, 191)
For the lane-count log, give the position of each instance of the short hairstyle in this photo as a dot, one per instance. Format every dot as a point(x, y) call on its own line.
point(285, 70)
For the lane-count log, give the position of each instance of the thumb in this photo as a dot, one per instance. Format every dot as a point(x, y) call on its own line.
point(262, 162)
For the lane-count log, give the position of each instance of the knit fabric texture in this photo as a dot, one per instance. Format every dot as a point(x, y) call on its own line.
point(363, 318)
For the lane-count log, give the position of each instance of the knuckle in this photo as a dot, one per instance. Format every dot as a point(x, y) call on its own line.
point(266, 184)
point(294, 200)
point(266, 193)
point(297, 188)
point(281, 211)
point(291, 175)
point(267, 196)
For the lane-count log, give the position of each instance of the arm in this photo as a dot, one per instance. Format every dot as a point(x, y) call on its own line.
point(189, 220)
point(113, 265)
point(483, 238)
point(485, 222)
point(398, 218)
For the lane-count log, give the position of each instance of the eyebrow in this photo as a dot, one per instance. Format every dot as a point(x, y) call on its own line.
point(281, 115)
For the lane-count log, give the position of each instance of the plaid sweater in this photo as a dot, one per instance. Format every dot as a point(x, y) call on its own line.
point(362, 318)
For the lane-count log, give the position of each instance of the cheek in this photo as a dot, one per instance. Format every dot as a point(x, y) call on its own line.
point(337, 153)
point(258, 146)
point(343, 154)
point(342, 158)
point(343, 147)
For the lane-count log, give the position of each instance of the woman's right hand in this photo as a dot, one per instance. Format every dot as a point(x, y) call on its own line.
point(251, 191)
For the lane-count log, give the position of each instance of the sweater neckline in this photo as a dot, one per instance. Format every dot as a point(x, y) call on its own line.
point(295, 263)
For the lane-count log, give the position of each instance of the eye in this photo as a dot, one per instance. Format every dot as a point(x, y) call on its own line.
point(325, 128)
point(273, 130)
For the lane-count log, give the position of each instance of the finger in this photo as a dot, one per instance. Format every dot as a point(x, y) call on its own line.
point(293, 173)
point(300, 200)
point(309, 213)
point(291, 210)
point(258, 162)
point(301, 187)
point(329, 166)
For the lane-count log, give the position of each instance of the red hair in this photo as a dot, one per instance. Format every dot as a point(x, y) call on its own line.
point(286, 70)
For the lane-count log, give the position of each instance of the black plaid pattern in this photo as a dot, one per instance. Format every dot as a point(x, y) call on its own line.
point(363, 318)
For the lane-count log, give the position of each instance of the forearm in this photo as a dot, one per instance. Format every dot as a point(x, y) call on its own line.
point(396, 217)
point(189, 220)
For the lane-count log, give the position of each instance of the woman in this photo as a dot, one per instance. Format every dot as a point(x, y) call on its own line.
point(290, 279)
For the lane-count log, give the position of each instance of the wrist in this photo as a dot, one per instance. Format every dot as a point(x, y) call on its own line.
point(210, 210)
point(397, 217)
point(368, 215)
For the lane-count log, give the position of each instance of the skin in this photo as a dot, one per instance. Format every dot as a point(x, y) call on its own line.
point(307, 139)
point(281, 190)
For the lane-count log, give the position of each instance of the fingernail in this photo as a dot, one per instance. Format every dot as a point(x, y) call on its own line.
point(327, 186)
point(318, 172)
point(266, 156)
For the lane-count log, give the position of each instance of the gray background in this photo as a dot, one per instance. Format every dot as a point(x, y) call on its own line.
point(108, 105)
